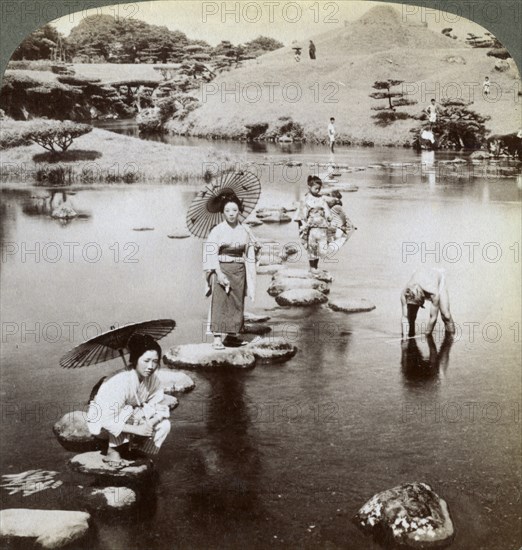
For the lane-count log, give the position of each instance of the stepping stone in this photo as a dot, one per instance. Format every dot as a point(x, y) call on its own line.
point(280, 285)
point(345, 188)
point(269, 259)
point(345, 305)
point(74, 435)
point(411, 515)
point(253, 318)
point(195, 356)
point(299, 273)
point(171, 402)
point(143, 228)
point(50, 528)
point(273, 350)
point(254, 222)
point(110, 499)
point(301, 297)
point(256, 328)
point(175, 381)
point(269, 215)
point(92, 463)
point(268, 269)
point(179, 234)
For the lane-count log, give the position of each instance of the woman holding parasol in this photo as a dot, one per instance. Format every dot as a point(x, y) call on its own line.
point(129, 403)
point(229, 252)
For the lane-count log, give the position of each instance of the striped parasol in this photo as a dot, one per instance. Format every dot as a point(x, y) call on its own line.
point(205, 210)
point(113, 343)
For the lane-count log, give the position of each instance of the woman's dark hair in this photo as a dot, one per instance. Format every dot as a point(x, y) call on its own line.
point(232, 197)
point(138, 344)
point(314, 179)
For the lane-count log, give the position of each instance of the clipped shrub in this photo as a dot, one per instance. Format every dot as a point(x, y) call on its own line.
point(256, 130)
point(77, 80)
point(54, 175)
point(11, 137)
point(499, 53)
point(53, 134)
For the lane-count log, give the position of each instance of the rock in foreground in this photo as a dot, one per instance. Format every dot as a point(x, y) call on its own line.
point(301, 298)
point(92, 463)
point(110, 499)
point(205, 356)
point(74, 435)
point(51, 528)
point(175, 382)
point(272, 350)
point(350, 306)
point(408, 515)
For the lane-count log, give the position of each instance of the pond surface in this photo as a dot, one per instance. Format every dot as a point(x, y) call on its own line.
point(284, 455)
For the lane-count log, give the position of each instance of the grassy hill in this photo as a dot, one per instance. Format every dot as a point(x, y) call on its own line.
point(378, 46)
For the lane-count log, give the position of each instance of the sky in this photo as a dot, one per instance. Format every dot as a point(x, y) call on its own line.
point(283, 20)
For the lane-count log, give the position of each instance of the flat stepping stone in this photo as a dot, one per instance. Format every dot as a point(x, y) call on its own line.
point(345, 305)
point(299, 273)
point(72, 433)
point(268, 269)
point(269, 259)
point(273, 350)
point(175, 381)
point(254, 222)
point(345, 188)
point(171, 402)
point(256, 328)
point(110, 499)
point(253, 318)
point(280, 285)
point(143, 228)
point(301, 297)
point(410, 515)
point(50, 528)
point(92, 463)
point(193, 356)
point(181, 234)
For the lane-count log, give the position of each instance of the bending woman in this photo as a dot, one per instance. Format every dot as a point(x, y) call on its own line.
point(229, 262)
point(129, 403)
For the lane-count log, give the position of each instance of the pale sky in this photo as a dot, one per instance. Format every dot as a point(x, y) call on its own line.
point(240, 22)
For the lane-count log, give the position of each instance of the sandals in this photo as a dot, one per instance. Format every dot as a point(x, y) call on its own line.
point(218, 346)
point(116, 464)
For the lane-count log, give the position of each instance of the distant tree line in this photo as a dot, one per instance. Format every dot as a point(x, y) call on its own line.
point(105, 39)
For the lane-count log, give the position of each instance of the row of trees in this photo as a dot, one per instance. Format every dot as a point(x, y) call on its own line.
point(105, 38)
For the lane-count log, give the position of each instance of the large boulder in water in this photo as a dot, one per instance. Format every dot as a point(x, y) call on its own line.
point(272, 350)
point(64, 212)
point(74, 435)
point(92, 463)
point(301, 297)
point(50, 528)
point(411, 515)
point(280, 285)
point(345, 305)
point(195, 356)
point(175, 381)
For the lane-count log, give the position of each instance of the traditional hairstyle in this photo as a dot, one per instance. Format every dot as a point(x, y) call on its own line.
point(414, 295)
point(138, 344)
point(230, 197)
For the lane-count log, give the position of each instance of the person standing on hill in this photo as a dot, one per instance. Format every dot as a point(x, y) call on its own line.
point(485, 86)
point(432, 111)
point(331, 134)
point(311, 50)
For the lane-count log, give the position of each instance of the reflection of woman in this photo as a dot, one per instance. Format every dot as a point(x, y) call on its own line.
point(129, 402)
point(229, 264)
point(416, 367)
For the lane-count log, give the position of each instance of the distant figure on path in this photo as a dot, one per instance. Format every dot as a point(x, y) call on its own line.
point(311, 50)
point(485, 86)
point(331, 134)
point(426, 284)
point(432, 111)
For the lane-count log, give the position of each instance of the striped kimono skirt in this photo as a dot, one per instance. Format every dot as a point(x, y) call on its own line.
point(228, 304)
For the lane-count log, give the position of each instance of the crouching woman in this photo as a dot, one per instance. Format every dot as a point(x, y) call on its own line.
point(128, 405)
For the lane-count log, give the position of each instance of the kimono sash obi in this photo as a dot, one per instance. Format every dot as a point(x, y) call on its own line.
point(229, 253)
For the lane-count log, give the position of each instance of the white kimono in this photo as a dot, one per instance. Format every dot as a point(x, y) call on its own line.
point(123, 399)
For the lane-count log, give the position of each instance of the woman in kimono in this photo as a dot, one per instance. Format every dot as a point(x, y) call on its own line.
point(129, 404)
point(229, 262)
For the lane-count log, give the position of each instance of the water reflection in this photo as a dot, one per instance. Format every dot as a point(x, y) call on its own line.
point(230, 465)
point(418, 369)
point(55, 204)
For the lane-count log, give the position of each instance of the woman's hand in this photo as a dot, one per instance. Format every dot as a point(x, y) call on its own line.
point(222, 279)
point(145, 430)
